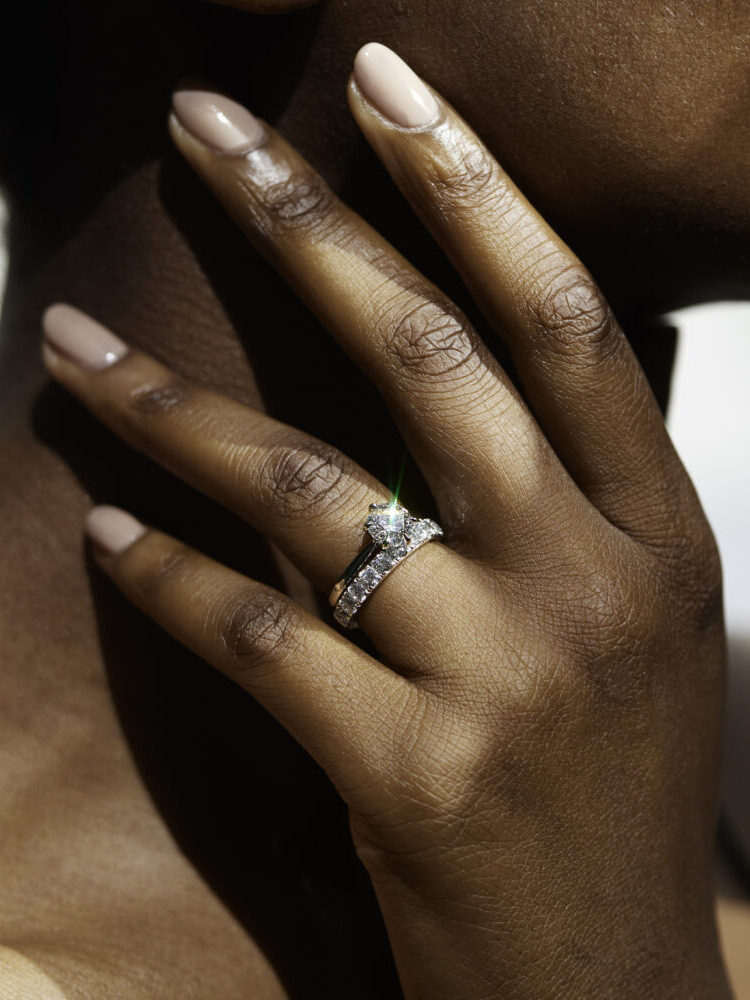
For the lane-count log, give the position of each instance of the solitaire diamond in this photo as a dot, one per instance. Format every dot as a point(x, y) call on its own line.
point(385, 523)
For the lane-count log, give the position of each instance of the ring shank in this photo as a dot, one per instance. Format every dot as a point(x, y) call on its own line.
point(351, 571)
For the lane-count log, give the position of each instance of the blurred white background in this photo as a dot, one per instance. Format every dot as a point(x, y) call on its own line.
point(709, 420)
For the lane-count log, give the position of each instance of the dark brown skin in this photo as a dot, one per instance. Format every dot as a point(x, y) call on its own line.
point(140, 261)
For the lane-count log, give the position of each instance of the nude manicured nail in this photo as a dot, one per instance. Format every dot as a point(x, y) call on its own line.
point(113, 529)
point(217, 120)
point(81, 339)
point(393, 87)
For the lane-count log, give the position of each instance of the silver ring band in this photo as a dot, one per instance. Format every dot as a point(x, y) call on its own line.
point(395, 535)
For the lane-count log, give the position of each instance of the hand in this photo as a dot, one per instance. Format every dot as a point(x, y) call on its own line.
point(531, 763)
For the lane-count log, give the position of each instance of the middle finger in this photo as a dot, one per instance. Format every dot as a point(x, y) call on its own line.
point(476, 442)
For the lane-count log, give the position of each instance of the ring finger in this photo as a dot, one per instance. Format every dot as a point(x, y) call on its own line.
point(306, 496)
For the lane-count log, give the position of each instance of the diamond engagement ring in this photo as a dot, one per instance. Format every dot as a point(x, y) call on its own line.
point(395, 535)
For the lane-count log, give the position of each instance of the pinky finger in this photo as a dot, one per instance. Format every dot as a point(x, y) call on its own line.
point(339, 703)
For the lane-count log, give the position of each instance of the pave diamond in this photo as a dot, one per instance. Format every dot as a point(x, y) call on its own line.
point(382, 563)
point(368, 577)
point(419, 530)
point(342, 617)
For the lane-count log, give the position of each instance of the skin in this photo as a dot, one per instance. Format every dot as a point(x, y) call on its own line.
point(155, 292)
point(570, 605)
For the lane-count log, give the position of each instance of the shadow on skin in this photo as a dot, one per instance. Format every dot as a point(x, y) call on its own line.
point(253, 812)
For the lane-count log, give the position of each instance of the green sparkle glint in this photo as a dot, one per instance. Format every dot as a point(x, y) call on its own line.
point(395, 493)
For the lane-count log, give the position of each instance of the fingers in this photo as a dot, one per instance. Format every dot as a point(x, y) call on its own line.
point(579, 373)
point(477, 444)
point(341, 704)
point(306, 496)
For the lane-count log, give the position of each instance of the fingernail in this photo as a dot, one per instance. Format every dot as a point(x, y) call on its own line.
point(113, 529)
point(393, 87)
point(217, 120)
point(81, 339)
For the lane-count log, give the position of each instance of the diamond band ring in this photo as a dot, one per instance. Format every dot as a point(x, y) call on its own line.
point(395, 535)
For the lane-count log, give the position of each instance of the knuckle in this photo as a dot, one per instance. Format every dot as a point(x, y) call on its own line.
point(256, 627)
point(622, 620)
point(571, 315)
point(139, 419)
point(613, 626)
point(161, 570)
point(300, 477)
point(156, 400)
point(430, 339)
point(468, 176)
point(619, 667)
point(301, 203)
